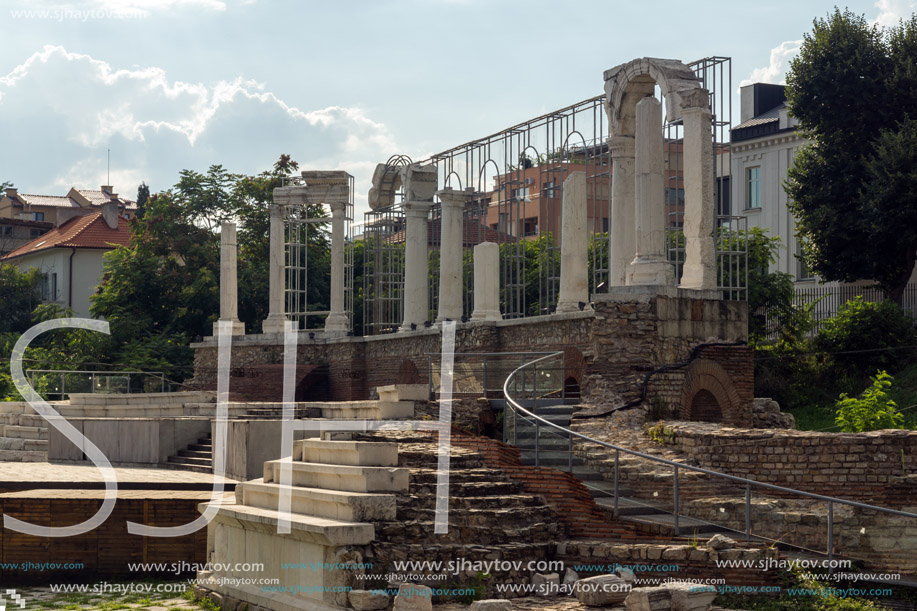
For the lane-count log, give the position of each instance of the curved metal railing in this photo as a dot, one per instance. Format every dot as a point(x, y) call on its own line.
point(512, 403)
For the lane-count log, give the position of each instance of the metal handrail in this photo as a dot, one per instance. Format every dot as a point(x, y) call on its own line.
point(65, 372)
point(681, 466)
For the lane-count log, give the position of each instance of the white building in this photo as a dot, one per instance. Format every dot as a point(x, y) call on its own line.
point(70, 256)
point(764, 145)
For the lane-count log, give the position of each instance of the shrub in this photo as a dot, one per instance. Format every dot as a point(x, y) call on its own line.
point(872, 411)
point(864, 337)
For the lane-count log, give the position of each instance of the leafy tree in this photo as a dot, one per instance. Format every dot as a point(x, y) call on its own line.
point(143, 195)
point(162, 290)
point(850, 83)
point(872, 411)
point(21, 294)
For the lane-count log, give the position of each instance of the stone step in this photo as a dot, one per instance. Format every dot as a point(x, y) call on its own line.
point(14, 431)
point(20, 444)
point(340, 477)
point(334, 504)
point(368, 410)
point(545, 442)
point(190, 460)
point(23, 420)
point(23, 456)
point(478, 489)
point(196, 454)
point(559, 460)
point(631, 507)
point(480, 517)
point(201, 447)
point(324, 531)
point(142, 399)
point(366, 453)
point(180, 466)
point(664, 523)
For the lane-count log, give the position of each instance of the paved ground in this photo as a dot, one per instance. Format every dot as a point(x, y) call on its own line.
point(117, 598)
point(43, 473)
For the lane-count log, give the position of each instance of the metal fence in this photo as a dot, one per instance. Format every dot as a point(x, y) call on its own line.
point(826, 301)
point(57, 384)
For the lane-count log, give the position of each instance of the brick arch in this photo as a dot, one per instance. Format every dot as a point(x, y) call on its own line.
point(574, 370)
point(709, 394)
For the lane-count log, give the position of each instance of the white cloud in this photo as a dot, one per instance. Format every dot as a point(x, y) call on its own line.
point(893, 11)
point(775, 71)
point(65, 109)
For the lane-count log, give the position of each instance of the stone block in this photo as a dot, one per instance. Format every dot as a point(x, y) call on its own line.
point(649, 599)
point(368, 600)
point(546, 585)
point(491, 605)
point(413, 597)
point(602, 590)
point(691, 597)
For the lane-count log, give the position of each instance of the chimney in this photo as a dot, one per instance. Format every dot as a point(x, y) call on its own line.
point(110, 214)
point(106, 189)
point(11, 192)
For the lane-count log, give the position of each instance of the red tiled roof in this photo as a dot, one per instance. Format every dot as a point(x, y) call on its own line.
point(88, 231)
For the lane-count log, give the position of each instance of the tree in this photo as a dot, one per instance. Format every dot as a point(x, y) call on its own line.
point(850, 83)
point(143, 195)
point(872, 411)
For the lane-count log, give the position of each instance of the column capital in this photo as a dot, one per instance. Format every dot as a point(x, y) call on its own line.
point(417, 209)
point(338, 207)
point(622, 146)
point(449, 197)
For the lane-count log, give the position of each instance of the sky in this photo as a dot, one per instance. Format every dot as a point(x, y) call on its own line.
point(168, 85)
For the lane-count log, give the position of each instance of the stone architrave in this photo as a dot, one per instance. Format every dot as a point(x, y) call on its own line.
point(486, 282)
point(276, 318)
point(452, 221)
point(229, 294)
point(622, 243)
point(419, 183)
point(700, 250)
point(574, 284)
point(649, 265)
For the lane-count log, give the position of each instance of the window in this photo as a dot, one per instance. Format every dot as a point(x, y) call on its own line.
point(521, 193)
point(530, 226)
point(38, 216)
point(549, 190)
point(34, 233)
point(49, 287)
point(753, 187)
point(53, 287)
point(605, 225)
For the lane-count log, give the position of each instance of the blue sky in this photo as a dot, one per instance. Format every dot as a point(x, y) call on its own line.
point(339, 85)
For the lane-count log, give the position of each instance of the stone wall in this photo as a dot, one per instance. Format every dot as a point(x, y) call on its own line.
point(609, 352)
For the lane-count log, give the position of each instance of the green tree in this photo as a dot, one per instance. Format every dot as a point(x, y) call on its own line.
point(850, 83)
point(143, 195)
point(872, 411)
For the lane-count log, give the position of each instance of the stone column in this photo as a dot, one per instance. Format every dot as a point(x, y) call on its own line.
point(229, 293)
point(574, 284)
point(274, 323)
point(337, 320)
point(700, 215)
point(416, 268)
point(649, 265)
point(622, 245)
point(451, 287)
point(486, 282)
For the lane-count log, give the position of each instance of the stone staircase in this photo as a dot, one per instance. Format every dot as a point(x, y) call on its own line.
point(197, 457)
point(140, 405)
point(23, 434)
point(651, 515)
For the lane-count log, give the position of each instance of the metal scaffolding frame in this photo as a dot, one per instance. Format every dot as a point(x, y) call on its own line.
point(383, 262)
point(299, 226)
point(516, 177)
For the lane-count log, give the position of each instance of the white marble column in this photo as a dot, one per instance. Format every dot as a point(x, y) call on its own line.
point(416, 268)
point(700, 215)
point(229, 292)
point(622, 243)
point(337, 320)
point(486, 282)
point(649, 265)
point(574, 272)
point(274, 323)
point(451, 287)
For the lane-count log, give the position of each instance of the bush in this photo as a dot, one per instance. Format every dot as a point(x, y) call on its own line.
point(872, 411)
point(864, 337)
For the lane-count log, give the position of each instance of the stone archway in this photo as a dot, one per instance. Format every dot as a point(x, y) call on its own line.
point(686, 100)
point(709, 395)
